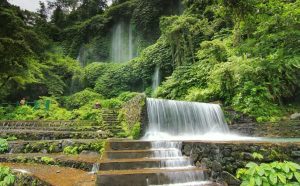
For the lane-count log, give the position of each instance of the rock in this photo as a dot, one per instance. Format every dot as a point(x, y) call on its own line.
point(194, 157)
point(230, 179)
point(44, 151)
point(101, 132)
point(187, 149)
point(205, 163)
point(295, 116)
point(58, 171)
point(216, 166)
point(66, 143)
point(295, 154)
point(198, 164)
point(247, 156)
point(89, 153)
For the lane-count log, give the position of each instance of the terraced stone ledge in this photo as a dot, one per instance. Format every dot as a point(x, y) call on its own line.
point(51, 146)
point(51, 135)
point(224, 158)
point(82, 162)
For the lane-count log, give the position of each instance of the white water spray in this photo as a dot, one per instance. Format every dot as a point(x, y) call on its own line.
point(123, 46)
point(156, 78)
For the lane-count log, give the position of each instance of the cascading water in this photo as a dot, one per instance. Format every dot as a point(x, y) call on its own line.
point(177, 120)
point(123, 46)
point(156, 78)
point(168, 118)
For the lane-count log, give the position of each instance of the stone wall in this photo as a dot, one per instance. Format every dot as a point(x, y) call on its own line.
point(134, 111)
point(280, 129)
point(224, 158)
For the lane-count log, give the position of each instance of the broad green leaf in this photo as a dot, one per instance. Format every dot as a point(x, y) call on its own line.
point(273, 178)
point(260, 171)
point(251, 164)
point(297, 176)
point(290, 175)
point(285, 168)
point(282, 177)
point(266, 184)
point(258, 180)
point(245, 183)
point(252, 181)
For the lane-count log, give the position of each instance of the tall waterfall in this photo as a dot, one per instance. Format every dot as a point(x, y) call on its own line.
point(156, 78)
point(123, 46)
point(181, 118)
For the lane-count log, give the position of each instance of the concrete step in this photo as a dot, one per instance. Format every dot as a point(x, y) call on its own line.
point(129, 145)
point(143, 163)
point(130, 154)
point(145, 177)
point(50, 135)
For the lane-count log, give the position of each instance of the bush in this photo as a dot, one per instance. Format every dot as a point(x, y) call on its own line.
point(71, 150)
point(81, 98)
point(3, 146)
point(6, 176)
point(275, 173)
point(47, 160)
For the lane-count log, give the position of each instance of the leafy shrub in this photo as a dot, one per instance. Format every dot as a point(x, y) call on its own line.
point(3, 145)
point(81, 98)
point(47, 160)
point(136, 131)
point(71, 150)
point(126, 96)
point(111, 103)
point(98, 146)
point(6, 176)
point(275, 173)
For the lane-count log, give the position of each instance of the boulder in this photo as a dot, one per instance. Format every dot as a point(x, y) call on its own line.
point(295, 116)
point(230, 179)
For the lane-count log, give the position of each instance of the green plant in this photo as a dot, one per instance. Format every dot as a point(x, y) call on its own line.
point(47, 160)
point(3, 146)
point(71, 150)
point(136, 131)
point(11, 138)
point(258, 156)
point(6, 176)
point(276, 173)
point(98, 146)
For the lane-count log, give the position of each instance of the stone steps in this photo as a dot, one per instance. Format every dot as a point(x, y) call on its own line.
point(128, 163)
point(144, 177)
point(142, 163)
point(130, 154)
point(130, 145)
point(51, 135)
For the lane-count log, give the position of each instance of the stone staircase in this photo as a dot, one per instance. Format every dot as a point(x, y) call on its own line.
point(37, 150)
point(111, 123)
point(137, 163)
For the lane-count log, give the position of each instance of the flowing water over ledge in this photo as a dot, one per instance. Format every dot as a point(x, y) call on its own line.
point(171, 122)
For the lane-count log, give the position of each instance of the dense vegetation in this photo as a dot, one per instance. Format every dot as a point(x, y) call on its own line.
point(243, 53)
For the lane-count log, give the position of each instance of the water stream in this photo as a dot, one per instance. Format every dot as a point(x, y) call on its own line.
point(170, 121)
point(173, 119)
point(123, 45)
point(156, 78)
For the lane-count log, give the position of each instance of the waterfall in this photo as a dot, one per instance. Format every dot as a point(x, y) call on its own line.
point(123, 46)
point(156, 78)
point(95, 168)
point(168, 118)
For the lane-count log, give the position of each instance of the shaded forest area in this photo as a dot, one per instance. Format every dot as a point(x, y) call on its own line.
point(242, 53)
